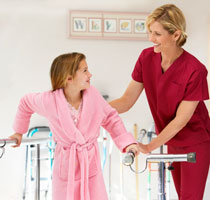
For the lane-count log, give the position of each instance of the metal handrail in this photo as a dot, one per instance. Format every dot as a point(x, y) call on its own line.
point(25, 141)
point(161, 159)
point(29, 141)
point(157, 158)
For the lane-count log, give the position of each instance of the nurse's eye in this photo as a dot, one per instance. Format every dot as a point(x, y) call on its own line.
point(158, 34)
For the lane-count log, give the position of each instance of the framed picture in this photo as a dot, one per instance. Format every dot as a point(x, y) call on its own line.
point(125, 26)
point(107, 25)
point(79, 24)
point(110, 25)
point(95, 25)
point(139, 26)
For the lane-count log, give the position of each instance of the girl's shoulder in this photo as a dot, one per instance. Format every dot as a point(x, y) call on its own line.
point(92, 91)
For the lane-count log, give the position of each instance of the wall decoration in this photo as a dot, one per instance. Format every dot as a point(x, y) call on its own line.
point(107, 25)
point(125, 26)
point(79, 24)
point(110, 25)
point(140, 26)
point(94, 25)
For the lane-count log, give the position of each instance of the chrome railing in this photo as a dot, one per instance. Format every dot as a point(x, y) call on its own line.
point(29, 141)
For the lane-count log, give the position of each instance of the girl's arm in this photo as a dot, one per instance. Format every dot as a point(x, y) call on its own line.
point(132, 93)
point(183, 115)
point(114, 125)
point(29, 104)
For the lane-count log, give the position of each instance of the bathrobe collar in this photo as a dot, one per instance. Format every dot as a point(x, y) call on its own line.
point(66, 120)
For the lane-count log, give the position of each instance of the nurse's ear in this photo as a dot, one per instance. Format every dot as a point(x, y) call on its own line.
point(177, 34)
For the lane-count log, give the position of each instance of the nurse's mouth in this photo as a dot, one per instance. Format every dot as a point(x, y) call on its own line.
point(156, 45)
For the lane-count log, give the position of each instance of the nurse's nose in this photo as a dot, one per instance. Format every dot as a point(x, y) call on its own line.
point(151, 37)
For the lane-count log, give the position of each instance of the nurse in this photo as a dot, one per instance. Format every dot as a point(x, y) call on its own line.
point(175, 84)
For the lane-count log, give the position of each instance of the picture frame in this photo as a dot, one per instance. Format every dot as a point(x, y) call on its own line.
point(79, 24)
point(125, 26)
point(110, 25)
point(95, 25)
point(107, 25)
point(139, 26)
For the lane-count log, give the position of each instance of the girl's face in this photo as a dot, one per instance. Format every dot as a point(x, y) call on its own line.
point(82, 76)
point(163, 41)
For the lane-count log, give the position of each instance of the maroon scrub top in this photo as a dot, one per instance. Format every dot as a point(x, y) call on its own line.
point(185, 79)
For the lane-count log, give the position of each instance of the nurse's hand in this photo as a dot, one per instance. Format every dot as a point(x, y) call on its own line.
point(17, 137)
point(143, 148)
point(134, 148)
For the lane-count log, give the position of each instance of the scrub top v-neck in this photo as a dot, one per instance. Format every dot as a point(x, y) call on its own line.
point(186, 80)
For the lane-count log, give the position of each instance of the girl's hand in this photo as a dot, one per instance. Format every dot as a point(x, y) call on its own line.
point(134, 148)
point(18, 138)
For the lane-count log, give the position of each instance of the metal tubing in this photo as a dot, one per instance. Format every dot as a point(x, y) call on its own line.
point(169, 158)
point(29, 141)
point(167, 181)
point(25, 178)
point(161, 181)
point(7, 141)
point(39, 128)
point(37, 192)
point(26, 141)
point(129, 158)
point(161, 159)
point(157, 158)
point(161, 178)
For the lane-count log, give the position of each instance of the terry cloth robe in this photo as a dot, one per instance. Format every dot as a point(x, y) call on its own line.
point(77, 173)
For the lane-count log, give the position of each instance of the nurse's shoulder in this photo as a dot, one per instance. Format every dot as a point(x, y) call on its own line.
point(192, 63)
point(146, 55)
point(148, 52)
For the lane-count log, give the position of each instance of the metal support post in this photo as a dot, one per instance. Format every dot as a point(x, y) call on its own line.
point(37, 192)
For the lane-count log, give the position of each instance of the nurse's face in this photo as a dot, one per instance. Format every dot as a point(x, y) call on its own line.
point(163, 41)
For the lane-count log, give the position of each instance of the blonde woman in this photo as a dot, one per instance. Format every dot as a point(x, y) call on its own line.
point(175, 83)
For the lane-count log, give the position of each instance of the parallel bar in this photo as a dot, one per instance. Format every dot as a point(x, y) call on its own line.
point(157, 158)
point(26, 141)
point(29, 141)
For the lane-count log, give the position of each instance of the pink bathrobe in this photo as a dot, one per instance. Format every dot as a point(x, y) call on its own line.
point(77, 170)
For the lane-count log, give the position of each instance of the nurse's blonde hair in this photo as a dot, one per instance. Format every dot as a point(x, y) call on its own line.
point(63, 66)
point(171, 18)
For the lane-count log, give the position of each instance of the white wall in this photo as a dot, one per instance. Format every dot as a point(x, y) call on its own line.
point(33, 33)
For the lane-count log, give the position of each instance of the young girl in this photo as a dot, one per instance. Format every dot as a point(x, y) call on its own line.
point(75, 111)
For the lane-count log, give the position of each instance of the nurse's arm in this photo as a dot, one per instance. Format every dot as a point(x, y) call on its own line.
point(183, 115)
point(128, 99)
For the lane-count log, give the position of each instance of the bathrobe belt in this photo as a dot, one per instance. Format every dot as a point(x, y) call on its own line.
point(82, 149)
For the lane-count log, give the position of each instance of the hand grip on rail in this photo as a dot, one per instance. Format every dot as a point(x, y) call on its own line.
point(157, 158)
